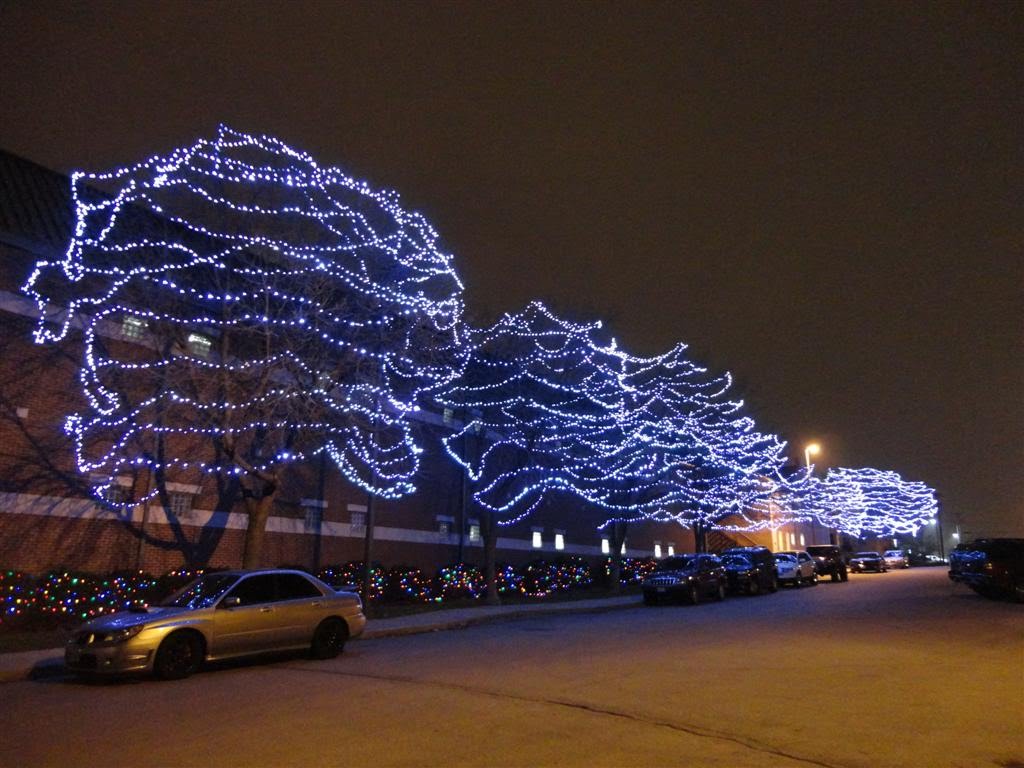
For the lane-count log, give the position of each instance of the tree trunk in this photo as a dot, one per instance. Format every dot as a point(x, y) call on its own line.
point(700, 537)
point(489, 534)
point(617, 534)
point(259, 512)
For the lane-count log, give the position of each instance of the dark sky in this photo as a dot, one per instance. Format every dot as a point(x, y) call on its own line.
point(823, 198)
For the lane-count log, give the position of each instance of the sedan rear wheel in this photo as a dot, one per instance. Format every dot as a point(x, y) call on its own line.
point(178, 656)
point(329, 639)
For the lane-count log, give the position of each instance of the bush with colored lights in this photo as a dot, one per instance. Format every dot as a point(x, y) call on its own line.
point(64, 597)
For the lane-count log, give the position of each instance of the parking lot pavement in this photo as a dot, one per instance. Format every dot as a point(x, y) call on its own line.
point(49, 662)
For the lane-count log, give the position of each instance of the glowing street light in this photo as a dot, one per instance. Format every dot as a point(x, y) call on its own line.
point(813, 449)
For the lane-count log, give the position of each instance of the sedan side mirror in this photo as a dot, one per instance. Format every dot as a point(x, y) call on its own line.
point(231, 601)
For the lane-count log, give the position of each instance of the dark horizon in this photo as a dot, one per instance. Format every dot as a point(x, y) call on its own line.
point(823, 200)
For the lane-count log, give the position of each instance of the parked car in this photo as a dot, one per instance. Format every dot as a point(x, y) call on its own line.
point(741, 574)
point(828, 561)
point(763, 563)
point(805, 567)
point(790, 570)
point(686, 577)
point(868, 561)
point(896, 558)
point(991, 567)
point(219, 616)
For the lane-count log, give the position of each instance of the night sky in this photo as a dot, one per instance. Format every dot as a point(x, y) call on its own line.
point(824, 199)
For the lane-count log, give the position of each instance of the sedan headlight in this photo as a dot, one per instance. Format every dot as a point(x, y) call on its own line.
point(123, 635)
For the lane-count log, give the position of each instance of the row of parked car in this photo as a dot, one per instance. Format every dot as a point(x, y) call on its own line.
point(757, 570)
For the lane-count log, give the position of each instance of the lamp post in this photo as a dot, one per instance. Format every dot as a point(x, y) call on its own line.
point(812, 449)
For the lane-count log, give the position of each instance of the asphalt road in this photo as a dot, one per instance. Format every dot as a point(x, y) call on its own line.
point(896, 669)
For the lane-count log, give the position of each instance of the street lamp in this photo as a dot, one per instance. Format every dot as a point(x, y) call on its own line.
point(812, 449)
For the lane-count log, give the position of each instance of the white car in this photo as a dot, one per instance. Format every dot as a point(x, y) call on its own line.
point(896, 558)
point(795, 567)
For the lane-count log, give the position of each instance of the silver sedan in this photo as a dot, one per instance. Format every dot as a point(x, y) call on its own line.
point(219, 616)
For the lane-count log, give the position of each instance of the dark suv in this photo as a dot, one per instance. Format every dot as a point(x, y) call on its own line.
point(991, 567)
point(828, 561)
point(690, 577)
point(761, 576)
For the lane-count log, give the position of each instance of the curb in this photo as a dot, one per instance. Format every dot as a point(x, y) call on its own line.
point(49, 663)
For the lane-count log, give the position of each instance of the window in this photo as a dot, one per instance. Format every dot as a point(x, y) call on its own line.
point(357, 522)
point(538, 540)
point(255, 589)
point(671, 549)
point(792, 540)
point(657, 549)
point(180, 504)
point(133, 328)
point(199, 345)
point(22, 413)
point(474, 532)
point(292, 586)
point(444, 527)
point(314, 517)
point(606, 547)
point(803, 541)
point(449, 417)
point(559, 540)
point(622, 551)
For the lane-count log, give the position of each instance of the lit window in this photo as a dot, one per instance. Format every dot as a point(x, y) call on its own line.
point(538, 540)
point(133, 327)
point(803, 541)
point(792, 540)
point(199, 345)
point(606, 547)
point(671, 549)
point(474, 532)
point(559, 541)
point(657, 549)
point(623, 550)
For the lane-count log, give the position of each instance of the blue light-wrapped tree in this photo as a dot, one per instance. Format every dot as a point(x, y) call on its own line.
point(710, 467)
point(542, 410)
point(240, 309)
point(871, 502)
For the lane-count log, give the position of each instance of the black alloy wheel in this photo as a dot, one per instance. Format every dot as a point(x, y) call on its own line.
point(329, 639)
point(179, 655)
point(694, 595)
point(720, 594)
point(753, 587)
point(775, 584)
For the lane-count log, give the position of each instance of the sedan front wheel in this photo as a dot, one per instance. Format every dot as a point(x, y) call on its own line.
point(178, 656)
point(329, 639)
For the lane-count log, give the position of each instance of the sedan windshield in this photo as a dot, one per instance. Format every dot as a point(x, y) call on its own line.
point(868, 555)
point(677, 563)
point(201, 593)
point(785, 558)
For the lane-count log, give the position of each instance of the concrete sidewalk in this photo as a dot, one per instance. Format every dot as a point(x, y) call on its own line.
point(50, 662)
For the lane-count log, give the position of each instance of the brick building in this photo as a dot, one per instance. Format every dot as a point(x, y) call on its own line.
point(48, 517)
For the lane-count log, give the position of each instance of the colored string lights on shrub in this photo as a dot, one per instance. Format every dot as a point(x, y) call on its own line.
point(287, 310)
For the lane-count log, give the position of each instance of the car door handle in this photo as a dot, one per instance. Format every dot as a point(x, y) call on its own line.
point(266, 610)
point(316, 603)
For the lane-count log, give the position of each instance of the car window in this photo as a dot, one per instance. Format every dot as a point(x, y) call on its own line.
point(201, 593)
point(254, 589)
point(293, 586)
point(803, 557)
